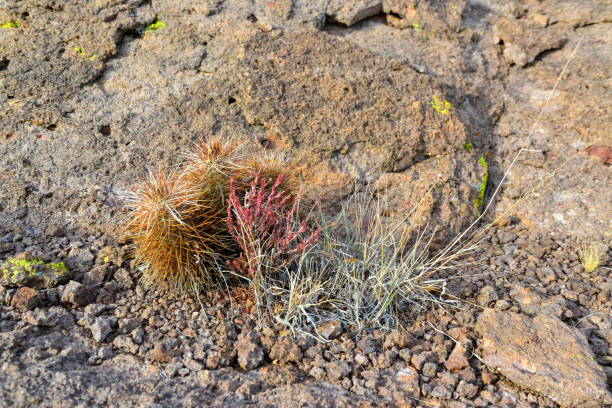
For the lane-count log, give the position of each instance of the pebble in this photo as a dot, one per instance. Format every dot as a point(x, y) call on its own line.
point(100, 329)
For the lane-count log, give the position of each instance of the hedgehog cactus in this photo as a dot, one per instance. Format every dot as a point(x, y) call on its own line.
point(177, 221)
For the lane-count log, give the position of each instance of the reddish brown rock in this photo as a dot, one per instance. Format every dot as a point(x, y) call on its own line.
point(359, 117)
point(330, 329)
point(250, 353)
point(159, 355)
point(600, 152)
point(458, 359)
point(409, 378)
point(25, 299)
point(543, 355)
point(285, 350)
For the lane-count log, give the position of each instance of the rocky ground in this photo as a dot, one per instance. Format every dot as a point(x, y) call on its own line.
point(403, 95)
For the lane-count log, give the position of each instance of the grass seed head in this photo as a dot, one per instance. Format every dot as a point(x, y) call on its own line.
point(592, 255)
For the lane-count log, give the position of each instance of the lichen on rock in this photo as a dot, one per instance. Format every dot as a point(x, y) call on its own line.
point(27, 270)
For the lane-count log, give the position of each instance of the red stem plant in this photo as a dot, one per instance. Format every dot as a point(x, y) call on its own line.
point(266, 228)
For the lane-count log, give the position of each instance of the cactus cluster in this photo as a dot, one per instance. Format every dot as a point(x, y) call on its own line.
point(177, 220)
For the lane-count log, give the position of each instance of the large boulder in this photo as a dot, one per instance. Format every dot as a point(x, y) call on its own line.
point(350, 116)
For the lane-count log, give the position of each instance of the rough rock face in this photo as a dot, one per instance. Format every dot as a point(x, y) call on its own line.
point(568, 197)
point(89, 98)
point(359, 117)
point(352, 12)
point(60, 47)
point(544, 355)
point(436, 16)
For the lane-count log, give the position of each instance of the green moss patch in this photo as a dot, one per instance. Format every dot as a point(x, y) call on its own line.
point(156, 25)
point(23, 272)
point(442, 106)
point(11, 24)
point(82, 53)
point(482, 184)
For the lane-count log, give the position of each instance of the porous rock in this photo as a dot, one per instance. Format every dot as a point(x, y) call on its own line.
point(544, 355)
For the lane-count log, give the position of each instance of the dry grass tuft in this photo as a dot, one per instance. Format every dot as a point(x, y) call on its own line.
point(592, 255)
point(366, 270)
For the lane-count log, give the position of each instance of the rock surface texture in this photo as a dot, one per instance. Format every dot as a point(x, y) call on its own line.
point(425, 104)
point(543, 354)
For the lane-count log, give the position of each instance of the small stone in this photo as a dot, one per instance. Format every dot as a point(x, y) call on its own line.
point(127, 325)
point(26, 299)
point(458, 358)
point(123, 279)
point(250, 353)
point(546, 275)
point(397, 338)
point(528, 299)
point(228, 386)
point(95, 309)
point(97, 275)
point(336, 370)
point(443, 391)
point(173, 368)
point(330, 329)
point(502, 304)
point(405, 354)
point(160, 354)
point(77, 294)
point(418, 360)
point(368, 345)
point(541, 19)
point(361, 359)
point(487, 295)
point(317, 373)
point(429, 369)
point(105, 353)
point(53, 230)
point(192, 364)
point(449, 378)
point(248, 389)
point(100, 329)
point(137, 335)
point(124, 342)
point(285, 350)
point(467, 390)
point(80, 259)
point(409, 377)
point(54, 316)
